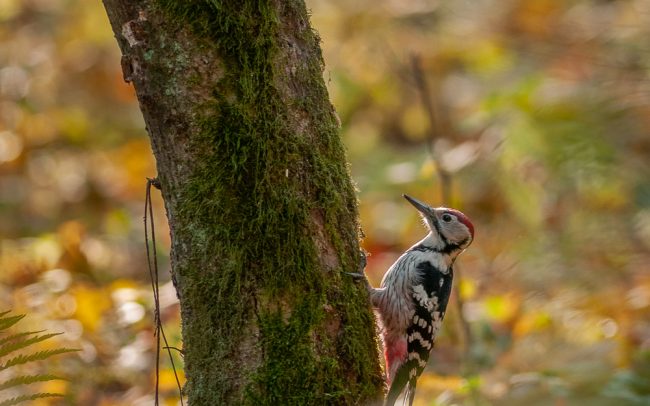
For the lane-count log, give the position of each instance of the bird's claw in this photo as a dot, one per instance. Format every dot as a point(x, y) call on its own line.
point(360, 276)
point(356, 276)
point(363, 260)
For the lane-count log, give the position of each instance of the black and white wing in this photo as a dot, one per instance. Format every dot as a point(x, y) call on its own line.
point(430, 295)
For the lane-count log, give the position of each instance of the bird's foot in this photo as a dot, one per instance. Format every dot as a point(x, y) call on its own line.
point(360, 276)
point(356, 276)
point(363, 260)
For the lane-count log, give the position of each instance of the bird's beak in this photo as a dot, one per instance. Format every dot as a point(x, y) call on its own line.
point(422, 208)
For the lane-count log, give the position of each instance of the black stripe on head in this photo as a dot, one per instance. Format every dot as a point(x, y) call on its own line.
point(436, 225)
point(447, 249)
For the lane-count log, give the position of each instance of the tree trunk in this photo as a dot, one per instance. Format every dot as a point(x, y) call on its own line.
point(261, 208)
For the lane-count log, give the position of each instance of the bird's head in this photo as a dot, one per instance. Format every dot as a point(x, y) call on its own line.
point(452, 227)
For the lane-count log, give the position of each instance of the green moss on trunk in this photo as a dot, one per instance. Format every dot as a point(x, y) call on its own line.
point(262, 207)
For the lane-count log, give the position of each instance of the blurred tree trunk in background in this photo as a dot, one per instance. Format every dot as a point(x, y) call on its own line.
point(261, 208)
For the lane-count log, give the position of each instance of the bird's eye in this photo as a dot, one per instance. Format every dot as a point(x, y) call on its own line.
point(446, 218)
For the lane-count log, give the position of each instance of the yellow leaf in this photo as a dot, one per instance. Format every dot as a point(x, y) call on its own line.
point(440, 383)
point(414, 122)
point(467, 288)
point(530, 322)
point(123, 284)
point(168, 381)
point(428, 169)
point(55, 386)
point(501, 308)
point(91, 305)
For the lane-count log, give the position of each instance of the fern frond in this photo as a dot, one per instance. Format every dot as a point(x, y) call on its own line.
point(6, 322)
point(18, 336)
point(14, 343)
point(25, 398)
point(26, 380)
point(19, 344)
point(41, 355)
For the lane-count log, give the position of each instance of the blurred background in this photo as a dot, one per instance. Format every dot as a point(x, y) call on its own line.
point(542, 124)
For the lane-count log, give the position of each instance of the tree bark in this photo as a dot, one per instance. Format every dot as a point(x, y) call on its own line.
point(261, 208)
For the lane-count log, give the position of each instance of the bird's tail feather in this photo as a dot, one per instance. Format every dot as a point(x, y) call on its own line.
point(396, 388)
point(409, 395)
point(401, 380)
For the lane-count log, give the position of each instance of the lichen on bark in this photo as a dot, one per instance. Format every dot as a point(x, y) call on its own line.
point(264, 217)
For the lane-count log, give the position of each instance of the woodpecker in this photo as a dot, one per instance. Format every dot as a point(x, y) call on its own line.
point(412, 299)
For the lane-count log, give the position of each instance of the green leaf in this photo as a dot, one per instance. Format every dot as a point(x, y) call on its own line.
point(25, 398)
point(6, 322)
point(26, 380)
point(18, 336)
point(13, 343)
point(10, 347)
point(41, 355)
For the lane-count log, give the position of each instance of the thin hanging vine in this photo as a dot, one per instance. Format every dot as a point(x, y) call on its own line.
point(152, 263)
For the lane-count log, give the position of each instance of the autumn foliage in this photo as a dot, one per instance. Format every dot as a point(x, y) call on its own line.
point(543, 124)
